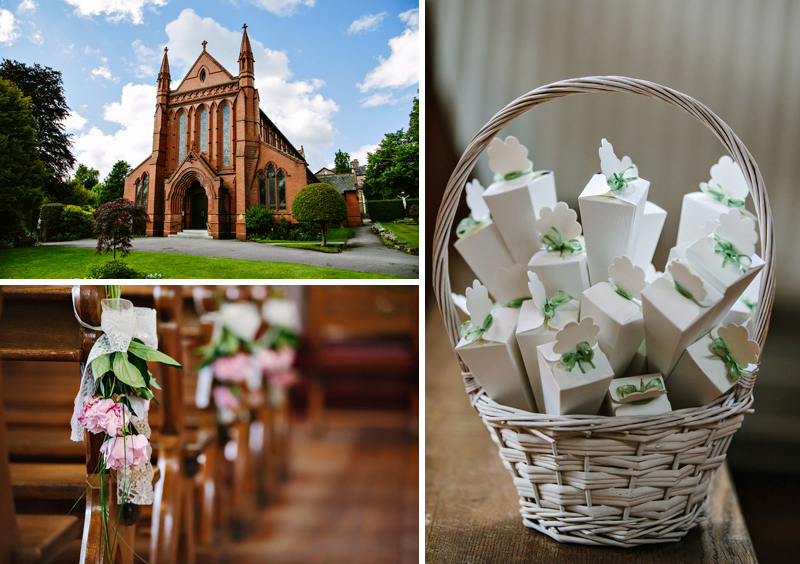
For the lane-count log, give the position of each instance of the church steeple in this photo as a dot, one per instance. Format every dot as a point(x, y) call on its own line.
point(163, 74)
point(245, 56)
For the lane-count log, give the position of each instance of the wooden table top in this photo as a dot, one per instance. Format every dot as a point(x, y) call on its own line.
point(472, 507)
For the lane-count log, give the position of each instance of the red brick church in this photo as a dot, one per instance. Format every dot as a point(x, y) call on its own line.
point(215, 153)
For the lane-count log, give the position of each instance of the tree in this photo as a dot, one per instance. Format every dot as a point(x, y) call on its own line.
point(114, 223)
point(342, 161)
point(319, 203)
point(113, 186)
point(22, 172)
point(49, 108)
point(394, 167)
point(88, 177)
point(81, 187)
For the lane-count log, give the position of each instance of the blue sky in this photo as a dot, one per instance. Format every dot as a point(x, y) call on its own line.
point(332, 74)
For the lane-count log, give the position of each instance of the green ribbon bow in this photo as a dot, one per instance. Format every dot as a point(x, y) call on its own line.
point(556, 243)
point(468, 223)
point(751, 305)
point(516, 304)
point(721, 195)
point(618, 181)
point(683, 291)
point(549, 309)
point(629, 389)
point(470, 332)
point(730, 254)
point(513, 174)
point(582, 353)
point(621, 291)
point(720, 348)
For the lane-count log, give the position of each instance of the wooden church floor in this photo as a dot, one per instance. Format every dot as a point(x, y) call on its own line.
point(352, 496)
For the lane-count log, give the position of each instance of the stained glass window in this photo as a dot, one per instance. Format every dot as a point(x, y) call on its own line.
point(226, 135)
point(272, 198)
point(262, 189)
point(182, 139)
point(144, 191)
point(138, 191)
point(203, 130)
point(281, 191)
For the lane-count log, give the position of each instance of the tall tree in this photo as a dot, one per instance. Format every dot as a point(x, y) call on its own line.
point(88, 177)
point(22, 172)
point(49, 109)
point(114, 184)
point(342, 161)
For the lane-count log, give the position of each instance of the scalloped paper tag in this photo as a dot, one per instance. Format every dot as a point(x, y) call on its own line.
point(538, 297)
point(737, 338)
point(682, 274)
point(478, 208)
point(509, 156)
point(739, 230)
point(627, 276)
point(573, 333)
point(479, 305)
point(708, 228)
point(727, 181)
point(562, 218)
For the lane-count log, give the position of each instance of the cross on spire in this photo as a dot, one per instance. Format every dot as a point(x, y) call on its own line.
point(204, 44)
point(166, 49)
point(244, 27)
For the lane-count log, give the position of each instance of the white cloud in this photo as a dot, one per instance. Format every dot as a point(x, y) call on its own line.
point(360, 154)
point(296, 107)
point(370, 22)
point(281, 7)
point(26, 6)
point(379, 99)
point(37, 38)
point(132, 142)
point(116, 10)
point(401, 69)
point(146, 60)
point(104, 72)
point(9, 32)
point(90, 51)
point(74, 122)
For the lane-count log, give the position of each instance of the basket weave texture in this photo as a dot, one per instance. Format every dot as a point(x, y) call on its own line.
point(597, 480)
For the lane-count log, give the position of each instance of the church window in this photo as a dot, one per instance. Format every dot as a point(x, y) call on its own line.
point(202, 76)
point(144, 191)
point(203, 130)
point(272, 198)
point(281, 191)
point(182, 139)
point(262, 189)
point(226, 136)
point(138, 191)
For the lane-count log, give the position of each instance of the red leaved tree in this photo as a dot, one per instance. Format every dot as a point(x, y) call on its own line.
point(114, 223)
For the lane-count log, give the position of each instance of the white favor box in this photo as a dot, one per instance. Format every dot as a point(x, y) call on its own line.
point(515, 206)
point(569, 273)
point(697, 208)
point(620, 321)
point(740, 313)
point(573, 393)
point(485, 252)
point(728, 279)
point(530, 336)
point(699, 377)
point(638, 364)
point(652, 224)
point(672, 322)
point(611, 225)
point(496, 362)
point(656, 406)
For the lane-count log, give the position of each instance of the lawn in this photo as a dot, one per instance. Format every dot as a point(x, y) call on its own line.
point(68, 262)
point(407, 233)
point(336, 235)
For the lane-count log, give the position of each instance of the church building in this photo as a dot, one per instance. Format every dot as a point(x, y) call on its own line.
point(215, 153)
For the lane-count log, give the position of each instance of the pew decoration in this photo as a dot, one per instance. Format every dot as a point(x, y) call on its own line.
point(280, 341)
point(116, 389)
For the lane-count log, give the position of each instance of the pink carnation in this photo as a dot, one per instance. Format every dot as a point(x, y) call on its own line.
point(102, 416)
point(130, 450)
point(283, 379)
point(224, 398)
point(231, 368)
point(276, 361)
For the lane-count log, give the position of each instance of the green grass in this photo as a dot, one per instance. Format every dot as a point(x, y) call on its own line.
point(68, 262)
point(407, 233)
point(313, 247)
point(336, 234)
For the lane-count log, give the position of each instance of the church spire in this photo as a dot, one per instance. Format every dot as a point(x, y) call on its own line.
point(245, 55)
point(163, 74)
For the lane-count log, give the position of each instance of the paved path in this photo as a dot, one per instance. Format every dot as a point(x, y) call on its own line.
point(365, 252)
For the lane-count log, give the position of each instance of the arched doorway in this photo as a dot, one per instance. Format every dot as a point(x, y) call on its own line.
point(198, 206)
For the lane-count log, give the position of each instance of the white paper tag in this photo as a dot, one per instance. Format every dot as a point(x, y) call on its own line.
point(628, 277)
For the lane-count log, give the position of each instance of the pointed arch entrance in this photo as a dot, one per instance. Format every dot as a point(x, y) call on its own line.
point(193, 202)
point(197, 203)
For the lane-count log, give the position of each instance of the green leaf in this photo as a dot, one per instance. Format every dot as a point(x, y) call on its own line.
point(127, 372)
point(101, 365)
point(146, 353)
point(154, 383)
point(140, 365)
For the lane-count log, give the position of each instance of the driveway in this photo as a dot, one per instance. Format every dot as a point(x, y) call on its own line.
point(365, 252)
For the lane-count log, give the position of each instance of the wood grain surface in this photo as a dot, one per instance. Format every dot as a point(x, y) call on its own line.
point(471, 504)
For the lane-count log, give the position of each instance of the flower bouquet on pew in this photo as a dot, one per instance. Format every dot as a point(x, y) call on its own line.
point(280, 342)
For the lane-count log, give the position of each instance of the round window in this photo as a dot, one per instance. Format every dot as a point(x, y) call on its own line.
point(202, 75)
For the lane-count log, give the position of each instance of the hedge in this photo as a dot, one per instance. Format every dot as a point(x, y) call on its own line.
point(50, 214)
point(389, 210)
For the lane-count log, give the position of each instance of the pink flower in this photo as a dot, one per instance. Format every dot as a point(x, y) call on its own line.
point(224, 398)
point(282, 379)
point(103, 416)
point(276, 361)
point(130, 450)
point(231, 368)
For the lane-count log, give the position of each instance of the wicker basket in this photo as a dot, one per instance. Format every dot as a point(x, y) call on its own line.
point(620, 481)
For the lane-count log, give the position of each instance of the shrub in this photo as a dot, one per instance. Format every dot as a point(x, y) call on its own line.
point(114, 269)
point(413, 212)
point(319, 203)
point(282, 230)
point(23, 241)
point(304, 231)
point(50, 214)
point(114, 222)
point(75, 223)
point(259, 221)
point(386, 210)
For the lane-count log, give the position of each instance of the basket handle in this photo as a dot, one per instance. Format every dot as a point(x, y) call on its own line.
point(560, 89)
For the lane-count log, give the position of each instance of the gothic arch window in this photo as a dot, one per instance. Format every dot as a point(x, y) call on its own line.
point(262, 189)
point(138, 191)
point(144, 190)
point(203, 130)
point(226, 135)
point(182, 138)
point(272, 198)
point(281, 190)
